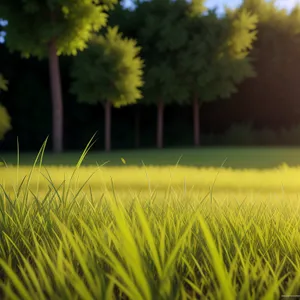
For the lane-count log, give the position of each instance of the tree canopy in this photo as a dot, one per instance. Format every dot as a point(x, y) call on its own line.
point(32, 24)
point(215, 58)
point(109, 70)
point(189, 53)
point(51, 28)
point(161, 34)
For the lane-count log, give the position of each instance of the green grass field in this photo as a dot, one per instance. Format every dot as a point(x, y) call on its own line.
point(152, 226)
point(206, 157)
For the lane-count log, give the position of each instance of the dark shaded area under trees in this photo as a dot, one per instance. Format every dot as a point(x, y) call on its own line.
point(269, 100)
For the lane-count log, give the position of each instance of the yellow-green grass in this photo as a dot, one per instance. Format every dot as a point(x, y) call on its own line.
point(149, 232)
point(138, 179)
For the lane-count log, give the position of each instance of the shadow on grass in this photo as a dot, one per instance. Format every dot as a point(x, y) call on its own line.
point(237, 158)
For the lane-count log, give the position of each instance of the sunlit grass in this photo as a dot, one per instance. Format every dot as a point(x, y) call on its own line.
point(139, 178)
point(172, 232)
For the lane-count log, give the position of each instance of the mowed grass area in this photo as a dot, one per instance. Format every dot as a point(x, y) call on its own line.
point(244, 169)
point(157, 230)
point(239, 158)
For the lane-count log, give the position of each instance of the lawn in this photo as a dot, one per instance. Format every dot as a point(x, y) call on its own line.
point(161, 229)
point(244, 169)
point(205, 157)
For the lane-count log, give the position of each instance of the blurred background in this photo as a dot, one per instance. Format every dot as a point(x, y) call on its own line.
point(262, 110)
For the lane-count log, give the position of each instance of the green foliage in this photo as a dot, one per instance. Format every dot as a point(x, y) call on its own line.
point(33, 24)
point(234, 62)
point(161, 33)
point(5, 124)
point(247, 135)
point(109, 70)
point(278, 35)
point(188, 52)
point(3, 83)
point(197, 8)
point(215, 58)
point(240, 134)
point(266, 11)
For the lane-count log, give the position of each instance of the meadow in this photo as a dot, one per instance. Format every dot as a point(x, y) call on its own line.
point(217, 223)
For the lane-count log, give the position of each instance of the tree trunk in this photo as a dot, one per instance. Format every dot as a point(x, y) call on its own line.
point(196, 117)
point(107, 126)
point(56, 95)
point(160, 124)
point(137, 126)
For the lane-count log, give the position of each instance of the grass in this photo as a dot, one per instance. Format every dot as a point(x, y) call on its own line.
point(150, 232)
point(238, 158)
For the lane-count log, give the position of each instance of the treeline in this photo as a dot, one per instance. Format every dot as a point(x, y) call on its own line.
point(159, 74)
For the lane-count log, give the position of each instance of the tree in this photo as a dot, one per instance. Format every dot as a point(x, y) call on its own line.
point(215, 58)
point(161, 34)
point(49, 29)
point(108, 72)
point(4, 116)
point(128, 24)
point(191, 55)
point(276, 60)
